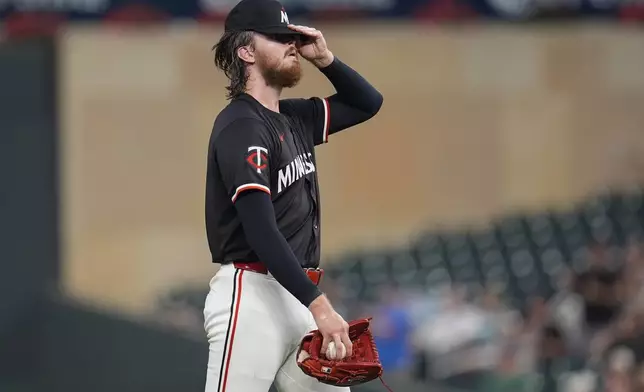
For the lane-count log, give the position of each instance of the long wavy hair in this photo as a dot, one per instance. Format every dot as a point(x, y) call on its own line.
point(226, 59)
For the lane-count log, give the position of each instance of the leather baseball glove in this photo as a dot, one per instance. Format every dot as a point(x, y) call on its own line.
point(363, 365)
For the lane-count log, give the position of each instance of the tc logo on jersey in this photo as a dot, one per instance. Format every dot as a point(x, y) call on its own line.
point(257, 158)
point(284, 16)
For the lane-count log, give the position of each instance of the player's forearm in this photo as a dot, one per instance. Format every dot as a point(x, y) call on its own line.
point(352, 89)
point(255, 211)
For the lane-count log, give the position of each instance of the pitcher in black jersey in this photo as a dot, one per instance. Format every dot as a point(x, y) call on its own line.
point(263, 200)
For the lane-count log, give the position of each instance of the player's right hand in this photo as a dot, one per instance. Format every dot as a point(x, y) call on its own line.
point(332, 327)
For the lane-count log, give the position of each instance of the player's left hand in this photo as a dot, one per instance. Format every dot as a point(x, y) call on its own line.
point(314, 49)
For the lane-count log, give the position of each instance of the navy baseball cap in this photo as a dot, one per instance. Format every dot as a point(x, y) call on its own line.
point(262, 16)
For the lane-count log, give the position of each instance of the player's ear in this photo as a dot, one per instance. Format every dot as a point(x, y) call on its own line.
point(246, 53)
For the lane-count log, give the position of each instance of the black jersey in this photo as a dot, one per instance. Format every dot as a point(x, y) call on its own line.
point(254, 148)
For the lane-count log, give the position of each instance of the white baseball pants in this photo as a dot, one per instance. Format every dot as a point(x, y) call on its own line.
point(254, 328)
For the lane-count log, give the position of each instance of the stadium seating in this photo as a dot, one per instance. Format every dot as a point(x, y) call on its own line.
point(523, 254)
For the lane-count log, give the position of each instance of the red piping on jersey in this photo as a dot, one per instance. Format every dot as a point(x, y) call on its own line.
point(249, 187)
point(327, 121)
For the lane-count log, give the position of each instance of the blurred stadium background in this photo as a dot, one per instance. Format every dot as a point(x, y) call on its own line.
point(490, 218)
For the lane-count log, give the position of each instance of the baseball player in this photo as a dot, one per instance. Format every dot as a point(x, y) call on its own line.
point(263, 201)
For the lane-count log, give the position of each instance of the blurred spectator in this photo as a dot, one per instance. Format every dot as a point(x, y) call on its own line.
point(566, 309)
point(456, 323)
point(392, 328)
point(502, 321)
point(600, 286)
point(423, 305)
point(458, 344)
point(620, 365)
point(514, 365)
point(634, 277)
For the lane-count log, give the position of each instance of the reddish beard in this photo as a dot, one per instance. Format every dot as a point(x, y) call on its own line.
point(285, 74)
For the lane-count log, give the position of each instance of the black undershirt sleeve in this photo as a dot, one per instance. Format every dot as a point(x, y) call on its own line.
point(355, 100)
point(255, 210)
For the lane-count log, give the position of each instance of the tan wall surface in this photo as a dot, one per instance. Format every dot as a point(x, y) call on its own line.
point(476, 121)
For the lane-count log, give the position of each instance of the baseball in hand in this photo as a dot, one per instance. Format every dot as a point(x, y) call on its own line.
point(335, 354)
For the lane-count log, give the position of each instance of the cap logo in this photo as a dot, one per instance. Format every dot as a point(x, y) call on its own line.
point(284, 16)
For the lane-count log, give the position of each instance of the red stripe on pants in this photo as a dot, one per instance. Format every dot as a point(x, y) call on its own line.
point(234, 327)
